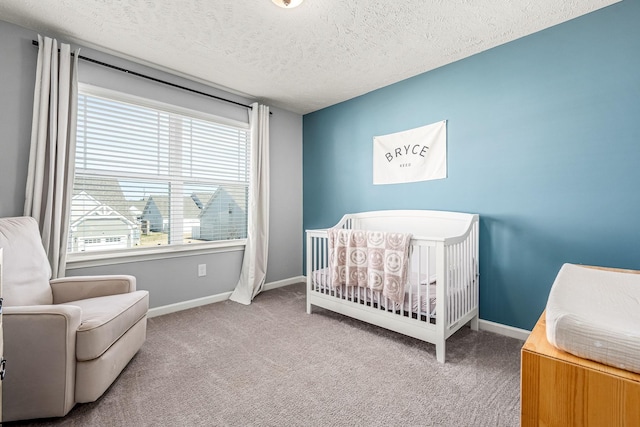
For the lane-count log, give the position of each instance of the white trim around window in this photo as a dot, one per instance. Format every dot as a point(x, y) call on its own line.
point(212, 175)
point(97, 259)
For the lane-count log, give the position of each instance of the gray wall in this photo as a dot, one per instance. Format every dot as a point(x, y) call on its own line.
point(175, 279)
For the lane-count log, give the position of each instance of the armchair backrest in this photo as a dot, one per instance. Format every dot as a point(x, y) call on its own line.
point(26, 269)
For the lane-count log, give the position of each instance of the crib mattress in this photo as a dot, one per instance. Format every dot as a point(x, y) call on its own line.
point(595, 314)
point(418, 298)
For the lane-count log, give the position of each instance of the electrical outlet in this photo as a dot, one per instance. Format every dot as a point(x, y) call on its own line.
point(202, 270)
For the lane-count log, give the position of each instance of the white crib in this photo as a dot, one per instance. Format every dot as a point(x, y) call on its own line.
point(441, 295)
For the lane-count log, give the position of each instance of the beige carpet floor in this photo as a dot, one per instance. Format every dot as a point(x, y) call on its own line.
point(271, 364)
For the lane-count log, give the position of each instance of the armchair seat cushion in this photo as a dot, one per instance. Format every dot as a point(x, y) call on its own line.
point(105, 319)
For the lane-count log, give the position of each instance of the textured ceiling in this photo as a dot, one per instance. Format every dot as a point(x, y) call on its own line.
point(303, 59)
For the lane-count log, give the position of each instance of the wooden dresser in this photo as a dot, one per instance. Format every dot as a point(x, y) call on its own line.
point(559, 389)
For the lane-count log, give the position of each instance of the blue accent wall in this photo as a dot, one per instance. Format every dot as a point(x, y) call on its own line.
point(543, 143)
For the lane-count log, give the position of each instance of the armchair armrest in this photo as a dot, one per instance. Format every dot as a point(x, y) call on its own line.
point(40, 348)
point(67, 289)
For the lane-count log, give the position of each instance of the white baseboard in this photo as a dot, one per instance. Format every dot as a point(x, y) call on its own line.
point(498, 328)
point(184, 305)
point(284, 282)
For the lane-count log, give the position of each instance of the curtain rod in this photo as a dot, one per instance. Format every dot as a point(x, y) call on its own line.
point(144, 76)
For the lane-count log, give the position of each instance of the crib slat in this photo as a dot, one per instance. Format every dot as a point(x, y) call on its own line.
point(429, 313)
point(450, 290)
point(456, 277)
point(323, 264)
point(313, 266)
point(319, 262)
point(448, 286)
point(464, 283)
point(452, 284)
point(470, 275)
point(314, 261)
point(414, 266)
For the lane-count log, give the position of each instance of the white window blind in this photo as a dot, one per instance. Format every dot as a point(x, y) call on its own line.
point(148, 174)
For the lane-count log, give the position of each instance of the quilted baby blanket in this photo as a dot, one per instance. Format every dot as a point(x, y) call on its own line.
point(372, 259)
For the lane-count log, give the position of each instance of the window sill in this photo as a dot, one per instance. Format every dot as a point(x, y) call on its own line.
point(96, 259)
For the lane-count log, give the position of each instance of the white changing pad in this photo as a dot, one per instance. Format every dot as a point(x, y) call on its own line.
point(595, 314)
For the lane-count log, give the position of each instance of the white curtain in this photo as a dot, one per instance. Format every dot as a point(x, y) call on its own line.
point(51, 159)
point(254, 264)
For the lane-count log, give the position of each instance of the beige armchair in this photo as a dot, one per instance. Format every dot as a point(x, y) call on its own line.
point(65, 340)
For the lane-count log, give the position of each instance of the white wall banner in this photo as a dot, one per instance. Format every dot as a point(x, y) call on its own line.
point(413, 155)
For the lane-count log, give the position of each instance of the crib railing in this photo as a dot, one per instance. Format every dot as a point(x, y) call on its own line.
point(460, 273)
point(418, 300)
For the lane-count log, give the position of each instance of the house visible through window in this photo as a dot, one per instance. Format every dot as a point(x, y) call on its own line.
point(149, 174)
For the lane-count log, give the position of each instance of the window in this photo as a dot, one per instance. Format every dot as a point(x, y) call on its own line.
point(149, 174)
